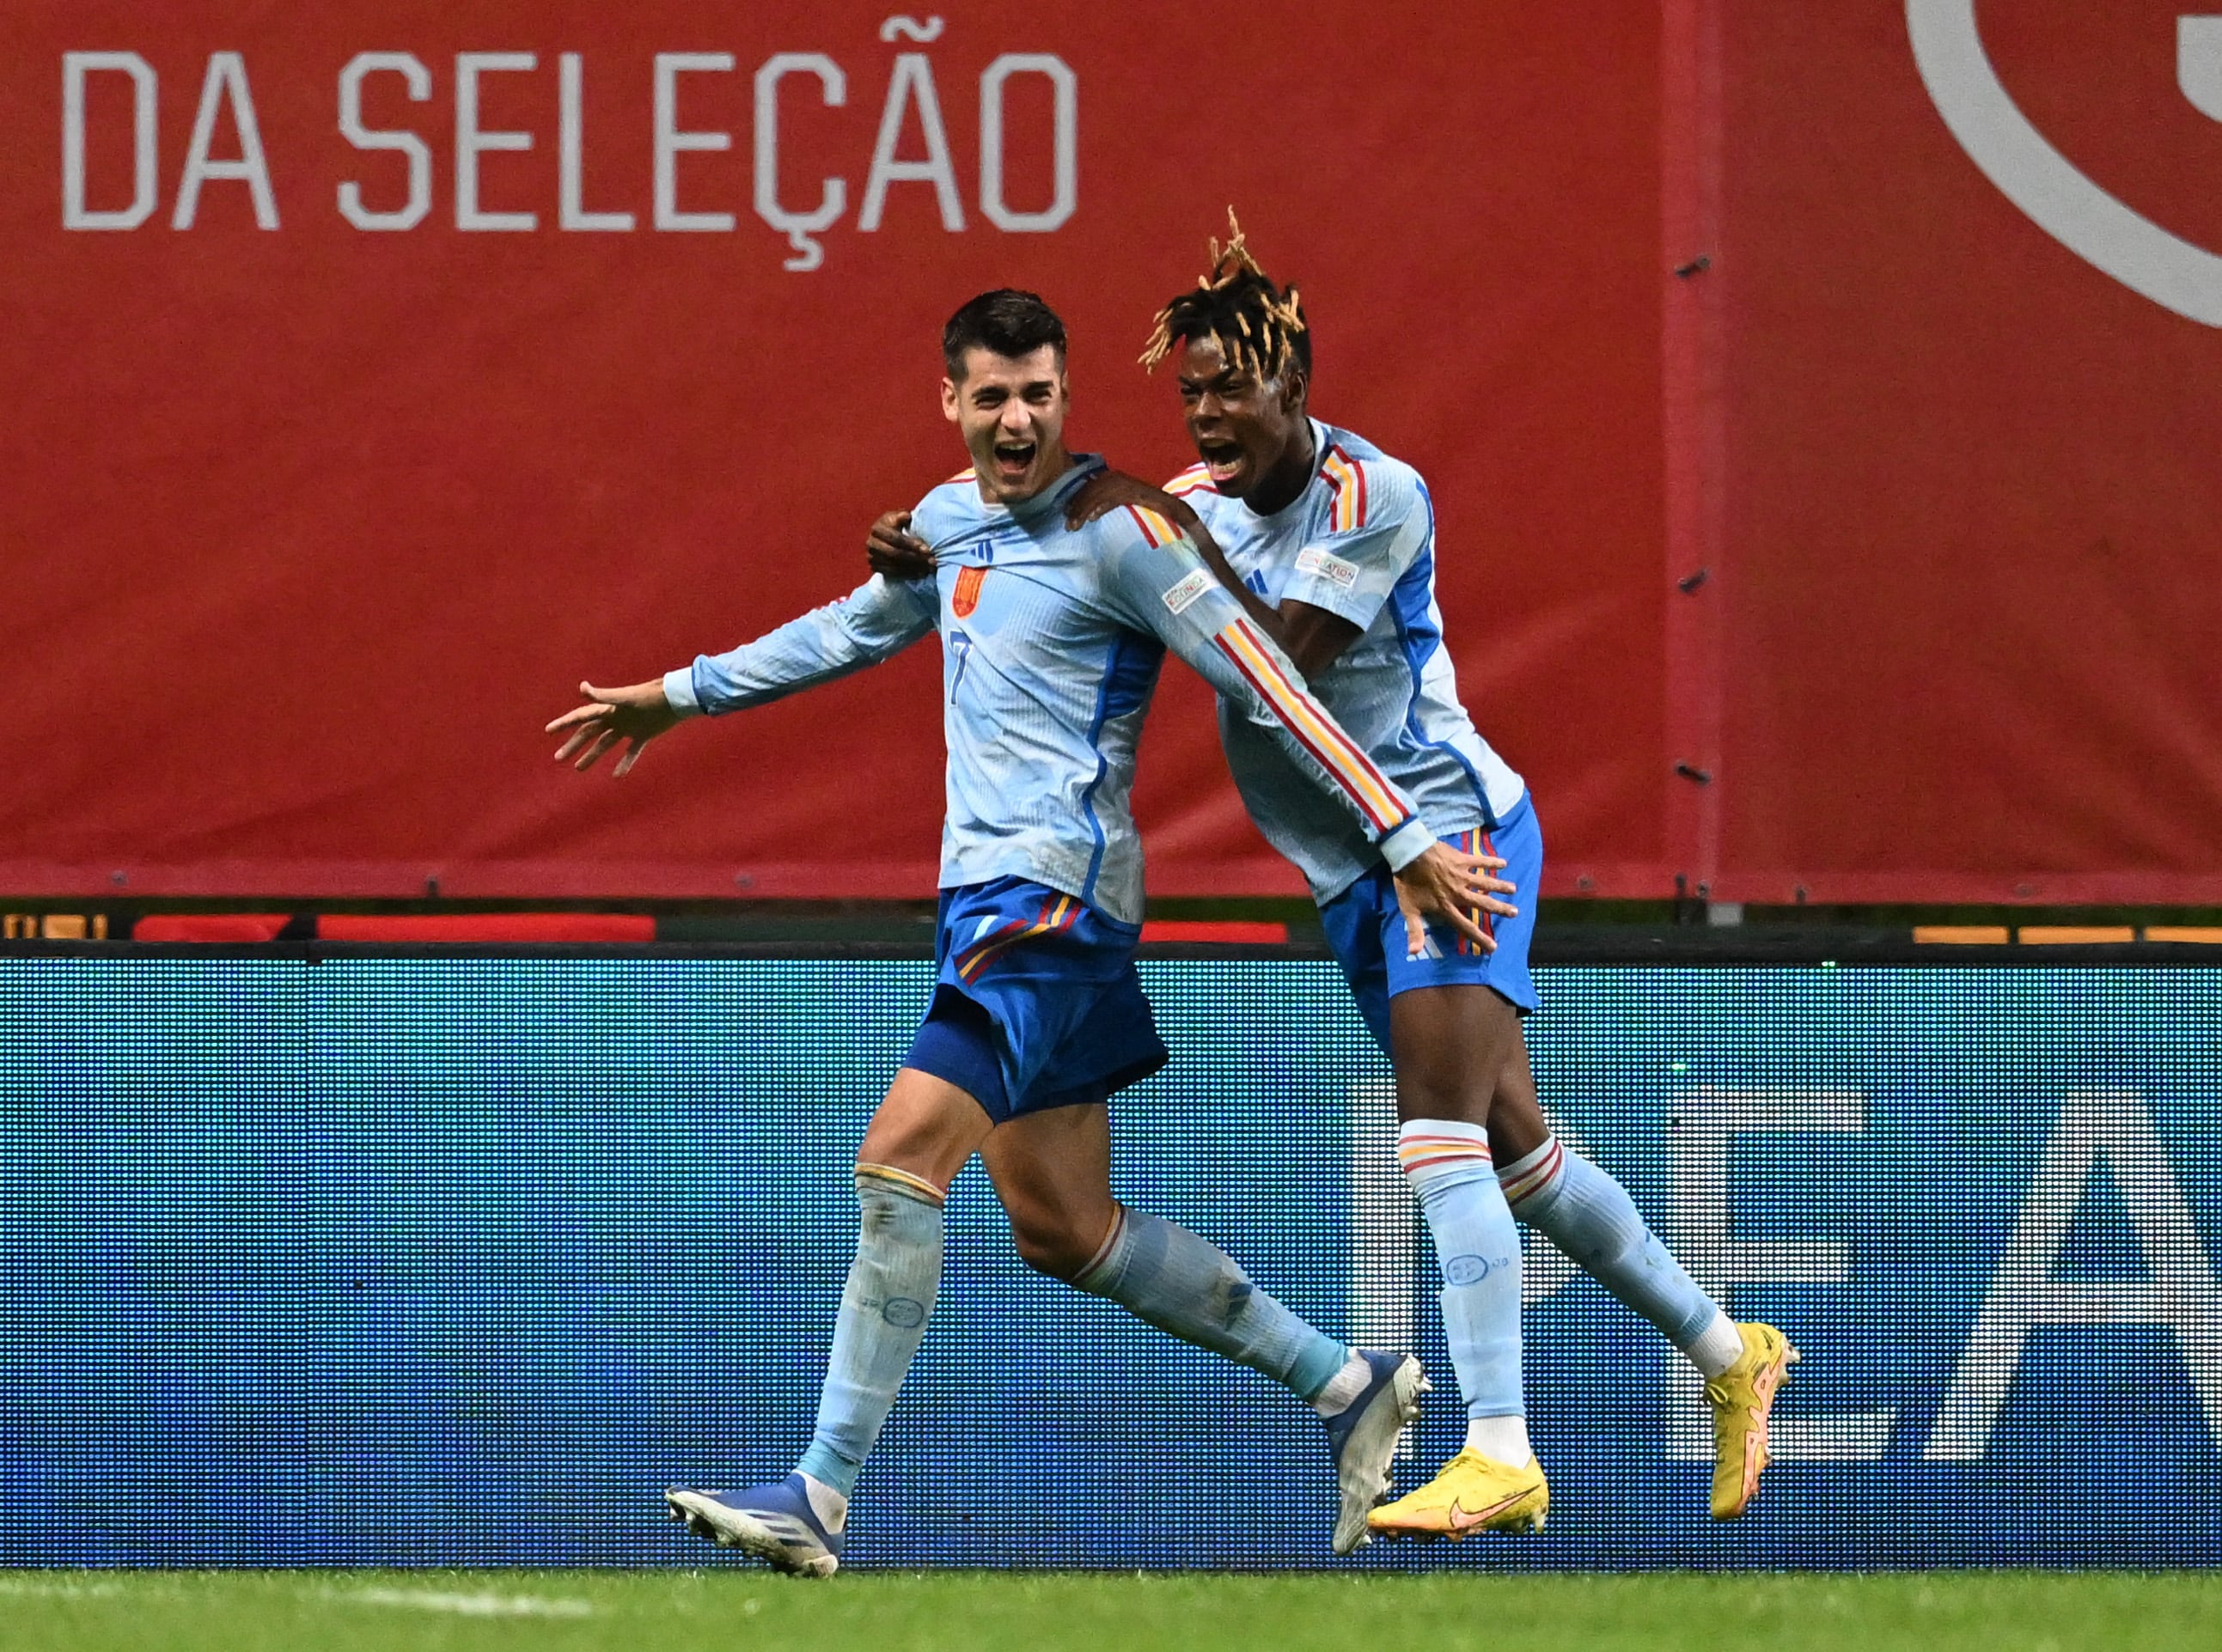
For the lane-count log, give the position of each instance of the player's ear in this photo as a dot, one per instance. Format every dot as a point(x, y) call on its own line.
point(951, 407)
point(1293, 388)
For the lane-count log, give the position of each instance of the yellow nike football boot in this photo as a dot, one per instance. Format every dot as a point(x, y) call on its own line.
point(1743, 1397)
point(1472, 1493)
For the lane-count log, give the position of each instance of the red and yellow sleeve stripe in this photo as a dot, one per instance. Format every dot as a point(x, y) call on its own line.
point(1155, 528)
point(1303, 715)
point(1347, 477)
point(1195, 479)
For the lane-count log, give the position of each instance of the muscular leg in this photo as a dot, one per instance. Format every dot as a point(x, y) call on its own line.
point(922, 1132)
point(926, 1127)
point(1449, 1046)
point(918, 1140)
point(1052, 1171)
point(1516, 1124)
point(1589, 1216)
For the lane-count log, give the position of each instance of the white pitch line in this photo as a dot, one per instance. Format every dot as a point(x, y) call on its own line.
point(488, 1604)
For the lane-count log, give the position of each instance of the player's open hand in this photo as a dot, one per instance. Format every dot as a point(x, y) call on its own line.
point(635, 715)
point(894, 551)
point(1454, 889)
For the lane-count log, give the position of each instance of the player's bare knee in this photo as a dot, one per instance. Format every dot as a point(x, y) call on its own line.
point(1051, 1246)
point(1465, 1103)
point(1516, 1125)
point(908, 1152)
point(925, 1129)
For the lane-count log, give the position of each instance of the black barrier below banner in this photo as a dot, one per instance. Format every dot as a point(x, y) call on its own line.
point(1598, 945)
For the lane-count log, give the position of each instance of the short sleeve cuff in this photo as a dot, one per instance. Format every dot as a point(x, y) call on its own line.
point(1407, 843)
point(1359, 607)
point(679, 689)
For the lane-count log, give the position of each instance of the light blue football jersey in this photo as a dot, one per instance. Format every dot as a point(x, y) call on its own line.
point(1359, 541)
point(1052, 639)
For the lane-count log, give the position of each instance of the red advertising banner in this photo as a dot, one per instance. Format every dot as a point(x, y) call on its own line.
point(1963, 304)
point(376, 372)
point(1819, 404)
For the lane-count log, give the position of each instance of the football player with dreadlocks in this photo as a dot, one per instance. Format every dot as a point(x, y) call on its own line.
point(1338, 540)
point(1330, 542)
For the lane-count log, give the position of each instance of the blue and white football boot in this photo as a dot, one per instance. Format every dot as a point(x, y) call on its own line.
point(775, 1523)
point(1364, 1435)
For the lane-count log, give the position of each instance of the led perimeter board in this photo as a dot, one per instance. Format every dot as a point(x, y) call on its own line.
point(410, 1260)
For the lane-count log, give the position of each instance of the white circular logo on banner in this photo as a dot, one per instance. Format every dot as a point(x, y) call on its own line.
point(1947, 46)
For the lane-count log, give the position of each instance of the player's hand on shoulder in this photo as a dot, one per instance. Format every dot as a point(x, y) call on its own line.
point(1108, 490)
point(635, 714)
point(894, 551)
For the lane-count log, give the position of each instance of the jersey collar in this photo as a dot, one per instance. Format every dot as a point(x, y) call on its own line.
point(1083, 466)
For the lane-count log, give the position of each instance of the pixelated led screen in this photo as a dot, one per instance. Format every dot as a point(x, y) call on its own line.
point(461, 1261)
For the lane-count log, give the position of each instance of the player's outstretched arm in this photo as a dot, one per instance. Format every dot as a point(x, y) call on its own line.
point(635, 714)
point(1313, 637)
point(1156, 579)
point(875, 622)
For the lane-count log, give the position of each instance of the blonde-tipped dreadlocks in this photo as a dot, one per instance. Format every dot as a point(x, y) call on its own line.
point(1258, 326)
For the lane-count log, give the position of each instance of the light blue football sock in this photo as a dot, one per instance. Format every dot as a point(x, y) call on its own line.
point(1589, 1216)
point(1168, 1277)
point(1448, 1165)
point(884, 1309)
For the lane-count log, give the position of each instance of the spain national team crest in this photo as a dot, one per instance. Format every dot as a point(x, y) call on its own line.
point(967, 595)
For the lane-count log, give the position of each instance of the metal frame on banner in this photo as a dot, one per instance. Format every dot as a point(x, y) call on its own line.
point(1807, 946)
point(1694, 428)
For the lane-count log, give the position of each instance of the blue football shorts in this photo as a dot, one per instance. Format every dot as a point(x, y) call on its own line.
point(1036, 1001)
point(1367, 931)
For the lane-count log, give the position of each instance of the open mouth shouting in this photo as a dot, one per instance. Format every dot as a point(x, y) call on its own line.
point(1014, 460)
point(1223, 459)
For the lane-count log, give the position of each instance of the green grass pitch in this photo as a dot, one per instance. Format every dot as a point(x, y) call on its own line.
point(745, 1611)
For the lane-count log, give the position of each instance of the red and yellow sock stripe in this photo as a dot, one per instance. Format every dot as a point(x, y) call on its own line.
point(1111, 1236)
point(1419, 1150)
point(1536, 1177)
